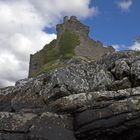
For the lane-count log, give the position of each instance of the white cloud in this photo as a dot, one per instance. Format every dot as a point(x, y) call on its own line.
point(118, 47)
point(21, 30)
point(59, 8)
point(134, 46)
point(125, 4)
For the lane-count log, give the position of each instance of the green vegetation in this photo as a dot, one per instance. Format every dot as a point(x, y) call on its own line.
point(50, 53)
point(67, 44)
point(47, 54)
point(50, 66)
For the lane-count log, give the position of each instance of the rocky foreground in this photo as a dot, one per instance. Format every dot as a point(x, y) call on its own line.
point(85, 100)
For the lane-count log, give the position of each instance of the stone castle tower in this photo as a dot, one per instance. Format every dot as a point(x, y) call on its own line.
point(86, 48)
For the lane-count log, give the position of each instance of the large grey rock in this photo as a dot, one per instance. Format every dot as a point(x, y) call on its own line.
point(121, 84)
point(135, 73)
point(15, 122)
point(121, 69)
point(13, 136)
point(51, 126)
point(28, 94)
point(102, 80)
point(6, 95)
point(29, 126)
point(116, 118)
point(28, 100)
point(94, 100)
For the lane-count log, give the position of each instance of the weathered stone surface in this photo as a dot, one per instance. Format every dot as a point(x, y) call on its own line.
point(121, 69)
point(135, 72)
point(102, 80)
point(51, 126)
point(85, 100)
point(69, 103)
point(111, 120)
point(121, 84)
point(13, 136)
point(30, 100)
point(28, 94)
point(15, 122)
point(98, 99)
point(6, 95)
point(29, 126)
point(110, 128)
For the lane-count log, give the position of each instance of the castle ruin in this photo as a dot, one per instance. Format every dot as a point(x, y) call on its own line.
point(87, 47)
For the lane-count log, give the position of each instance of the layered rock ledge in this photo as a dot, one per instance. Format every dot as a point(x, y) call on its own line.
point(85, 100)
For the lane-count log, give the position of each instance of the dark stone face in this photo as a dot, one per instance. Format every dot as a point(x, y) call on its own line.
point(52, 127)
point(12, 136)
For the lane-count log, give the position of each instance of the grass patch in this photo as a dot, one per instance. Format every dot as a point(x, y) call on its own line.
point(67, 44)
point(48, 53)
point(50, 66)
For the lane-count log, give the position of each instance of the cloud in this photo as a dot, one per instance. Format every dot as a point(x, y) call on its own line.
point(119, 47)
point(125, 4)
point(116, 47)
point(22, 24)
point(59, 8)
point(134, 46)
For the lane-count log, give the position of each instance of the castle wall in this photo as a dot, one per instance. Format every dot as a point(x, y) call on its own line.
point(34, 66)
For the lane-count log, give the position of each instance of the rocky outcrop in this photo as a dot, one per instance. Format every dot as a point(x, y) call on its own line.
point(85, 100)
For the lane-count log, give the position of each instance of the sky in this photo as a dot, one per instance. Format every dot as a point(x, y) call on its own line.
point(27, 25)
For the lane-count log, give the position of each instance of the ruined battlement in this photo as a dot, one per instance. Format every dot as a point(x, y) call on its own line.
point(73, 25)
